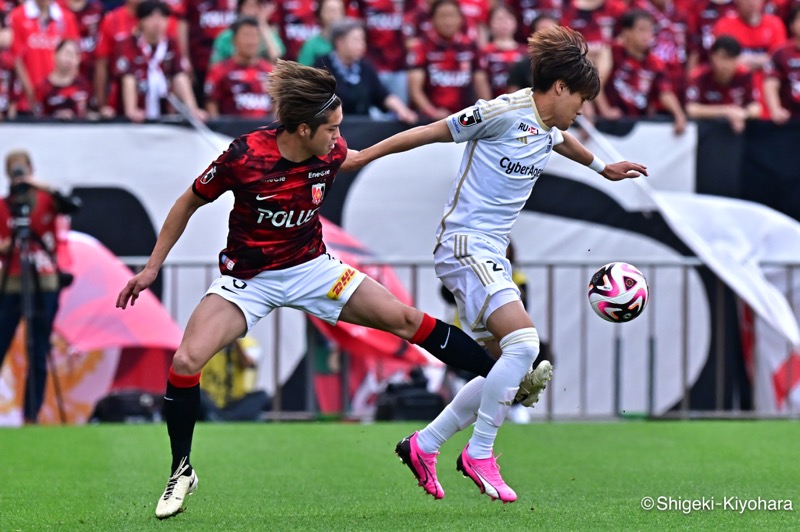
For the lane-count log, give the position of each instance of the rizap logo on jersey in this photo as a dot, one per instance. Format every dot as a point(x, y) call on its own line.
point(470, 118)
point(286, 219)
point(208, 176)
point(322, 173)
point(514, 167)
point(341, 283)
point(527, 128)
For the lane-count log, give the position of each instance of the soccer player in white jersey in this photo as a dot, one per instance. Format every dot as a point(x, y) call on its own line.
point(508, 143)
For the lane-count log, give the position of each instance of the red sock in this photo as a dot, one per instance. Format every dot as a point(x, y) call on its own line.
point(425, 329)
point(183, 381)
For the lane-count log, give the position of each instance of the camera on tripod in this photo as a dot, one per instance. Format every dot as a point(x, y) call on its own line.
point(18, 201)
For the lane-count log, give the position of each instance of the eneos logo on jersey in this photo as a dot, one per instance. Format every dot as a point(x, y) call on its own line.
point(341, 283)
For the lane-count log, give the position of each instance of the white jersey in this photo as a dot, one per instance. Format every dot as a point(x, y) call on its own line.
point(507, 149)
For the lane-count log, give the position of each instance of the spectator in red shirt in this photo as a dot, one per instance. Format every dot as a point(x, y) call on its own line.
point(7, 77)
point(638, 82)
point(596, 20)
point(723, 88)
point(89, 15)
point(521, 75)
point(704, 17)
point(117, 26)
point(782, 84)
point(758, 33)
point(416, 22)
point(64, 94)
point(149, 65)
point(298, 22)
point(5, 34)
point(529, 10)
point(38, 26)
point(204, 21)
point(503, 52)
point(671, 41)
point(386, 51)
point(445, 66)
point(239, 86)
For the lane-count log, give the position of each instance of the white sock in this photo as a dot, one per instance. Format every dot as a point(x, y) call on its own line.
point(519, 350)
point(458, 415)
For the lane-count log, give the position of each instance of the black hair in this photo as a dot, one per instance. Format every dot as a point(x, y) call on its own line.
point(148, 7)
point(629, 19)
point(727, 44)
point(241, 22)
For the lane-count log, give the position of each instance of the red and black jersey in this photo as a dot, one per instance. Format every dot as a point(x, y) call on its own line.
point(704, 18)
point(73, 97)
point(671, 42)
point(498, 64)
point(118, 25)
point(275, 220)
point(529, 10)
point(206, 19)
point(132, 57)
point(449, 66)
point(706, 90)
point(89, 19)
point(785, 66)
point(297, 20)
point(417, 22)
point(766, 36)
point(598, 26)
point(383, 20)
point(634, 84)
point(240, 90)
point(7, 77)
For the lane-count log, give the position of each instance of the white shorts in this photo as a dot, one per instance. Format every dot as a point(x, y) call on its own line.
point(479, 276)
point(320, 287)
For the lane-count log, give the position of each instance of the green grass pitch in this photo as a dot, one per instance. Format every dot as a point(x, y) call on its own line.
point(331, 476)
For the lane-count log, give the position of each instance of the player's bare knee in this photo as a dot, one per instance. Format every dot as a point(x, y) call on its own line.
point(184, 363)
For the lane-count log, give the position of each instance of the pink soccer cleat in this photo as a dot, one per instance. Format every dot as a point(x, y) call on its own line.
point(485, 473)
point(422, 464)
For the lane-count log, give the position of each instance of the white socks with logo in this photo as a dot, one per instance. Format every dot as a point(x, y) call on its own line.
point(519, 349)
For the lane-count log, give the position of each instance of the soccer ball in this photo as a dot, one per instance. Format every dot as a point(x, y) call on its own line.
point(618, 292)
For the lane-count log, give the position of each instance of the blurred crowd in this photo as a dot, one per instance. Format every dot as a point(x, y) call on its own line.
point(409, 60)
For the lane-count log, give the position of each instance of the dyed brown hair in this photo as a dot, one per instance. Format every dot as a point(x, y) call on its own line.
point(302, 95)
point(559, 53)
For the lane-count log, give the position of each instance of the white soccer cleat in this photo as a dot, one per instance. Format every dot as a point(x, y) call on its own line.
point(534, 384)
point(178, 487)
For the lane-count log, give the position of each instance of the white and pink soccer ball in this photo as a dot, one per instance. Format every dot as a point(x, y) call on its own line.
point(618, 292)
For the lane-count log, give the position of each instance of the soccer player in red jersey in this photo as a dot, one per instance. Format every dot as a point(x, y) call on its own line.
point(64, 94)
point(782, 85)
point(149, 64)
point(38, 26)
point(276, 257)
point(238, 86)
point(638, 82)
point(89, 15)
point(445, 66)
point(723, 88)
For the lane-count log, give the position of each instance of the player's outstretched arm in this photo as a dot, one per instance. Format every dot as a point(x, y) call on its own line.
point(173, 228)
point(572, 149)
point(403, 141)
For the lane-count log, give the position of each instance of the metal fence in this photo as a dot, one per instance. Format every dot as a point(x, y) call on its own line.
point(186, 280)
